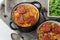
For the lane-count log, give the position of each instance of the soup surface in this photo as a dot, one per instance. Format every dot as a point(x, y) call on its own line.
point(49, 31)
point(25, 15)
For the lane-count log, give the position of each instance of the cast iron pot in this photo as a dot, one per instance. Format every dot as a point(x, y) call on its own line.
point(27, 29)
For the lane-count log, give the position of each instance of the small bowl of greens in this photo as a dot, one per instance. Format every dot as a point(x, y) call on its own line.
point(54, 8)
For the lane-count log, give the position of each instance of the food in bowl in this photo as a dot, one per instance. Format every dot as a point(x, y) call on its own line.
point(25, 15)
point(49, 30)
point(54, 8)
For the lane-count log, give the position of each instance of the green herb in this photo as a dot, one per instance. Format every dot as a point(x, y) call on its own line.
point(54, 7)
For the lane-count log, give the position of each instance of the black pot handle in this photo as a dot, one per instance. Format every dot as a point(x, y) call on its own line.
point(14, 28)
point(37, 4)
point(43, 15)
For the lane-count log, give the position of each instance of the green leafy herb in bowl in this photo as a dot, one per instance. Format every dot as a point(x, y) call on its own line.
point(54, 7)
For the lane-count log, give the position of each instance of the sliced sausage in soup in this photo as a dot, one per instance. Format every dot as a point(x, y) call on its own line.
point(20, 19)
point(31, 19)
point(21, 10)
point(46, 37)
point(46, 27)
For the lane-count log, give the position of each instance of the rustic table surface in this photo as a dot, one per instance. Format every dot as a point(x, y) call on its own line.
point(6, 8)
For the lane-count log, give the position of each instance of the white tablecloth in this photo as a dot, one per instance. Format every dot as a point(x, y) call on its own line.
point(5, 31)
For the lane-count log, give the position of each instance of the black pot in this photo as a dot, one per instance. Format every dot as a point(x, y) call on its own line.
point(27, 29)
